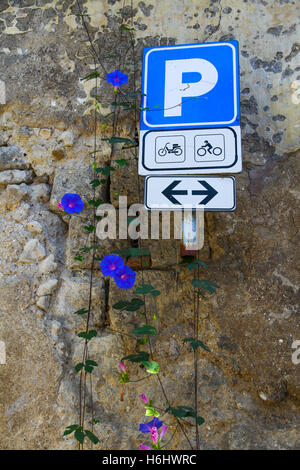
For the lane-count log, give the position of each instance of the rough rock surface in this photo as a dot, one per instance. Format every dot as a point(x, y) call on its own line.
point(249, 388)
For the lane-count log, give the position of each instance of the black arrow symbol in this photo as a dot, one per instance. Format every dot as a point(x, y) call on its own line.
point(210, 192)
point(169, 193)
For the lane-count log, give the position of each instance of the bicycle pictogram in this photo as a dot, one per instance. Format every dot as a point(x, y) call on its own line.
point(208, 148)
point(174, 149)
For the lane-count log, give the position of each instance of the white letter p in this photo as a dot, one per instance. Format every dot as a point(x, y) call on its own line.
point(175, 90)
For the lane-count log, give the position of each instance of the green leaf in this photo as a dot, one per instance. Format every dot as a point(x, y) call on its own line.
point(187, 260)
point(131, 306)
point(91, 363)
point(206, 285)
point(124, 27)
point(124, 104)
point(196, 283)
point(78, 258)
point(121, 162)
point(70, 429)
point(134, 95)
point(124, 379)
point(120, 305)
point(105, 171)
point(196, 344)
point(96, 203)
point(150, 411)
point(180, 411)
point(88, 366)
point(89, 228)
point(144, 289)
point(195, 264)
point(185, 412)
point(90, 76)
point(151, 367)
point(200, 420)
point(145, 330)
point(94, 439)
point(94, 183)
point(86, 249)
point(132, 252)
point(119, 140)
point(79, 436)
point(79, 366)
point(134, 304)
point(81, 311)
point(142, 341)
point(138, 357)
point(147, 289)
point(155, 293)
point(87, 335)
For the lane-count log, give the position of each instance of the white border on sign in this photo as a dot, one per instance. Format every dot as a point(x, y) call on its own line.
point(190, 123)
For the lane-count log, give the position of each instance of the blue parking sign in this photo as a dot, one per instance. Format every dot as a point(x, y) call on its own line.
point(190, 86)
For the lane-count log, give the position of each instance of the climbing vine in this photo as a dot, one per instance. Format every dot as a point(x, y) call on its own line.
point(115, 266)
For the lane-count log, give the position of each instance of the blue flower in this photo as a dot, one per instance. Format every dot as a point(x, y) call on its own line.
point(112, 265)
point(155, 423)
point(72, 203)
point(117, 78)
point(126, 279)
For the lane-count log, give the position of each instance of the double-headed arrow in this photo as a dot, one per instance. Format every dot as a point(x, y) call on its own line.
point(169, 193)
point(209, 192)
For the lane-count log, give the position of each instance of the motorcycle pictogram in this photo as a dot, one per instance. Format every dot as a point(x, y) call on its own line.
point(208, 148)
point(175, 149)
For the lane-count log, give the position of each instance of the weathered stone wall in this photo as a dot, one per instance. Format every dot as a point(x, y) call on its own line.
point(248, 386)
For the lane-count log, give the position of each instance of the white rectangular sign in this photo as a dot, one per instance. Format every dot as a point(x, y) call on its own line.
point(208, 193)
point(190, 118)
point(201, 151)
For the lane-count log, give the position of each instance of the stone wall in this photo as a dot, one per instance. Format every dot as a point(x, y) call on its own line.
point(248, 385)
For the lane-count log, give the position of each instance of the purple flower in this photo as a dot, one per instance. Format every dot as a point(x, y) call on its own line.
point(144, 398)
point(155, 423)
point(154, 435)
point(112, 265)
point(117, 78)
point(126, 279)
point(122, 365)
point(143, 447)
point(60, 206)
point(163, 431)
point(72, 203)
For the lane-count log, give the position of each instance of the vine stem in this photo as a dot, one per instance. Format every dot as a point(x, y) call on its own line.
point(82, 385)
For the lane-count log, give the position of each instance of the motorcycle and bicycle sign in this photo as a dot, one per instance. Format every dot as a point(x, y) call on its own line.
point(190, 118)
point(194, 150)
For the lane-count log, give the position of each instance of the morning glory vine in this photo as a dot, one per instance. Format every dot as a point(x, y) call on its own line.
point(114, 266)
